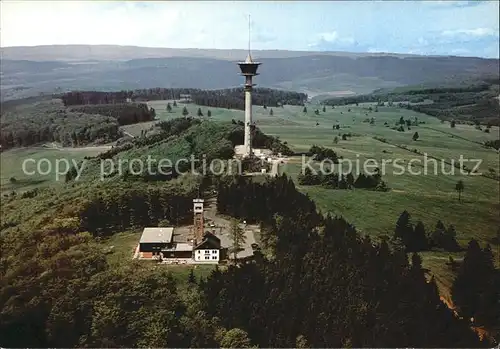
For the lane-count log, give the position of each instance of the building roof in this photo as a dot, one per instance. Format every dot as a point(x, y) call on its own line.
point(210, 241)
point(179, 247)
point(249, 61)
point(210, 236)
point(183, 246)
point(152, 235)
point(249, 58)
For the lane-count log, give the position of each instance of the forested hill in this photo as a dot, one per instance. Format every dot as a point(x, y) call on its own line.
point(318, 72)
point(474, 103)
point(82, 117)
point(177, 139)
point(233, 98)
point(326, 286)
point(40, 120)
point(320, 283)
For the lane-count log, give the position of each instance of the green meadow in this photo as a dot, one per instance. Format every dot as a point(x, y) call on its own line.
point(37, 161)
point(428, 198)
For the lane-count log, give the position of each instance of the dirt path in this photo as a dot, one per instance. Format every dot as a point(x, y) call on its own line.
point(128, 134)
point(481, 332)
point(54, 145)
point(340, 150)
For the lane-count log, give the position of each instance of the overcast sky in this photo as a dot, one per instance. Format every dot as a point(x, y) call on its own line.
point(469, 28)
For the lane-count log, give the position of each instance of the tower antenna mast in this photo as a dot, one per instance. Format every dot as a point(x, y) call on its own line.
point(249, 31)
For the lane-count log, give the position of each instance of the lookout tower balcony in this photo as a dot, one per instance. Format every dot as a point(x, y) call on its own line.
point(249, 67)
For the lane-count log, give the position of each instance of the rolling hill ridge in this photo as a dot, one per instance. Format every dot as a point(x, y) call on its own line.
point(30, 71)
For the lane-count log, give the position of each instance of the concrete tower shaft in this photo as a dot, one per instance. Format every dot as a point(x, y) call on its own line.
point(248, 70)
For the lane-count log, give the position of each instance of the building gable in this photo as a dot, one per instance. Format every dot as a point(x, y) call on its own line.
point(209, 243)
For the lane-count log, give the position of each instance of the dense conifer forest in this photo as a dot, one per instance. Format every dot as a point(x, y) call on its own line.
point(316, 283)
point(124, 114)
point(235, 98)
point(83, 117)
point(232, 98)
point(322, 284)
point(49, 121)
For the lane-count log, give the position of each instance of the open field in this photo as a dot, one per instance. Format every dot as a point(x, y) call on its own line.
point(120, 249)
point(134, 130)
point(428, 198)
point(13, 177)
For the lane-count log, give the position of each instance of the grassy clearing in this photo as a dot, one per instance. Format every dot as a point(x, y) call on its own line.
point(428, 198)
point(135, 130)
point(11, 164)
point(120, 248)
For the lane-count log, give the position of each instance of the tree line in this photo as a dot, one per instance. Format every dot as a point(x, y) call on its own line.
point(475, 103)
point(138, 159)
point(49, 121)
point(322, 153)
point(262, 201)
point(231, 98)
point(259, 139)
point(476, 289)
point(493, 144)
point(112, 211)
point(144, 159)
point(125, 114)
point(342, 181)
point(327, 287)
point(415, 238)
point(324, 285)
point(235, 98)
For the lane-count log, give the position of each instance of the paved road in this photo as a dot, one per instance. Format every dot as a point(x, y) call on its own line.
point(275, 166)
point(222, 228)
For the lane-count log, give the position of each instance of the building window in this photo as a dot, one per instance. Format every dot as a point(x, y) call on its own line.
point(214, 257)
point(207, 251)
point(198, 251)
point(214, 251)
point(207, 257)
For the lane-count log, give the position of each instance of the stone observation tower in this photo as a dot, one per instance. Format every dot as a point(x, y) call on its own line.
point(248, 70)
point(198, 220)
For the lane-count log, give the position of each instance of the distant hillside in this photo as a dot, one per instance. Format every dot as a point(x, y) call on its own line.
point(474, 103)
point(313, 73)
point(116, 52)
point(83, 117)
point(225, 98)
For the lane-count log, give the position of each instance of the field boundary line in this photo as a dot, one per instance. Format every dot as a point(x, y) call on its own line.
point(385, 141)
point(456, 136)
